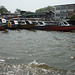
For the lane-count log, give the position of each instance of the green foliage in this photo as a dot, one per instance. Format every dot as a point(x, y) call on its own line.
point(49, 8)
point(3, 10)
point(17, 10)
point(72, 17)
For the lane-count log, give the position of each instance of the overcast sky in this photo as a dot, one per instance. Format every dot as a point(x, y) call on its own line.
point(32, 5)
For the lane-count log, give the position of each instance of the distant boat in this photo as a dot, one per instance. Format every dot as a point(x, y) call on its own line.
point(55, 26)
point(25, 24)
point(2, 23)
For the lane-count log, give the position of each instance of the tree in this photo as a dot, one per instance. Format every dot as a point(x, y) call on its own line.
point(72, 17)
point(49, 8)
point(18, 11)
point(3, 10)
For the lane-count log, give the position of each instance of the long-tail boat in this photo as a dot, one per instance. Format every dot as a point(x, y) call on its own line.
point(54, 26)
point(25, 24)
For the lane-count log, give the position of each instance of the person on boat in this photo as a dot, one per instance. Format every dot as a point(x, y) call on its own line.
point(8, 24)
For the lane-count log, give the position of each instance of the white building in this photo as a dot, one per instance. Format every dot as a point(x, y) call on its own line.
point(64, 11)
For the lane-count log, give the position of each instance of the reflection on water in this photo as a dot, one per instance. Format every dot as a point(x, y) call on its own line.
point(53, 51)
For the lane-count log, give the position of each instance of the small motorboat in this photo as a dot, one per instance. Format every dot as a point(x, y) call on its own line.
point(25, 24)
point(39, 25)
point(54, 26)
point(2, 23)
point(61, 26)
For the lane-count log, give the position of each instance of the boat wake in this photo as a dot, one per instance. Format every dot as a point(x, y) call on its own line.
point(33, 68)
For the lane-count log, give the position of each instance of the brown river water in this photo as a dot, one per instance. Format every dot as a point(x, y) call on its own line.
point(36, 52)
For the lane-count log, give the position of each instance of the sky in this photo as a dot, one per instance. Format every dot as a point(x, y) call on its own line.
point(32, 5)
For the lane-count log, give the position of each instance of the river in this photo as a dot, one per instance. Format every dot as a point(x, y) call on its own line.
point(36, 52)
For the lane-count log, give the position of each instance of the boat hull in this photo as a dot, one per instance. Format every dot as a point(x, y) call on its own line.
point(40, 27)
point(12, 27)
point(2, 27)
point(25, 26)
point(61, 28)
point(55, 28)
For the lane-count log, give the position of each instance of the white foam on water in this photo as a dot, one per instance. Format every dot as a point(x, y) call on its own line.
point(12, 58)
point(33, 68)
point(34, 62)
point(2, 60)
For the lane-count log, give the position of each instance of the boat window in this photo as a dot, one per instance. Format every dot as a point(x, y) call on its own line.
point(40, 22)
point(30, 22)
point(59, 23)
point(65, 22)
point(27, 22)
point(12, 22)
point(23, 22)
point(0, 20)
